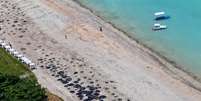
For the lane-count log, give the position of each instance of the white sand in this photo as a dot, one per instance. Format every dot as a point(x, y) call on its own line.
point(63, 30)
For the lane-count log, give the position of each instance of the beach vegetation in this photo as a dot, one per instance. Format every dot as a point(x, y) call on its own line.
point(17, 82)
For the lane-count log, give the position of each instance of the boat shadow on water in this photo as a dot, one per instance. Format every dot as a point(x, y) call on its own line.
point(162, 18)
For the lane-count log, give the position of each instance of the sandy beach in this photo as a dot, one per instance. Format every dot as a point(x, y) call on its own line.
point(77, 60)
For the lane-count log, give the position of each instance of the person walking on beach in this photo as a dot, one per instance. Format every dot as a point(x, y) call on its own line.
point(101, 29)
point(66, 37)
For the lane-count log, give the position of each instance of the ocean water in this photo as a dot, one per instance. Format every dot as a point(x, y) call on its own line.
point(181, 42)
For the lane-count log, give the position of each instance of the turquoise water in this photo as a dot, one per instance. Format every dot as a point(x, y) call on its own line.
point(181, 42)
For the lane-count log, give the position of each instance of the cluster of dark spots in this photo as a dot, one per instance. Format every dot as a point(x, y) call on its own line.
point(22, 49)
point(85, 88)
point(12, 19)
point(20, 36)
point(28, 43)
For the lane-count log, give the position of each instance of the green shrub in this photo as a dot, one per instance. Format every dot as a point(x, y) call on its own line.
point(12, 88)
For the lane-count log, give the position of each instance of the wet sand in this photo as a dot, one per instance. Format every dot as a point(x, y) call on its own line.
point(78, 61)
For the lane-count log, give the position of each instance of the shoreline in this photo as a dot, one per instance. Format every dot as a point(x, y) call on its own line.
point(157, 56)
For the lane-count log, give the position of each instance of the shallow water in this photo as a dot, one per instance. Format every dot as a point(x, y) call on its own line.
point(180, 42)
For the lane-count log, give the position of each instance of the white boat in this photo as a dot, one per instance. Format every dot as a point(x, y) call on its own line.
point(161, 16)
point(159, 27)
point(159, 13)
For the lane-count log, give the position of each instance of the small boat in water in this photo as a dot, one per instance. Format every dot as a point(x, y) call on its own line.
point(161, 16)
point(159, 27)
point(159, 13)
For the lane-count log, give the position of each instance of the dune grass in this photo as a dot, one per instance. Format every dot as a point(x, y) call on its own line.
point(12, 86)
point(11, 66)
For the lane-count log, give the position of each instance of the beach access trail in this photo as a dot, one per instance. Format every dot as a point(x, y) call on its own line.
point(79, 56)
